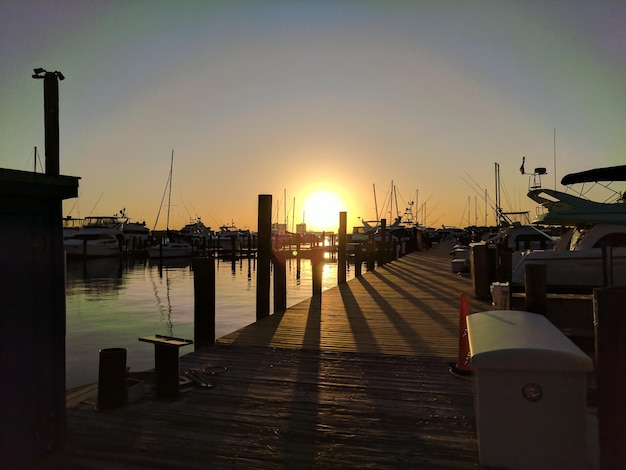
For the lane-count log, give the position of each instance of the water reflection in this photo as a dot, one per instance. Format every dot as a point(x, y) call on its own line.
point(166, 263)
point(112, 302)
point(97, 276)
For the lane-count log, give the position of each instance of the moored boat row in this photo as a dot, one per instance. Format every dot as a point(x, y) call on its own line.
point(104, 236)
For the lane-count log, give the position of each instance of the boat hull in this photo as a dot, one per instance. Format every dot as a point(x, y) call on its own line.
point(92, 248)
point(579, 269)
point(170, 251)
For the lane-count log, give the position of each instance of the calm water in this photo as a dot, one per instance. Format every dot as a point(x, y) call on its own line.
point(112, 302)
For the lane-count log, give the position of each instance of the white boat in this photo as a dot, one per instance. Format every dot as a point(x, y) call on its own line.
point(170, 249)
point(518, 237)
point(71, 226)
point(231, 240)
point(99, 236)
point(577, 260)
point(196, 232)
point(136, 235)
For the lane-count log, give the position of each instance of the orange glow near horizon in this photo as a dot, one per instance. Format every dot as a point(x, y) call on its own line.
point(321, 210)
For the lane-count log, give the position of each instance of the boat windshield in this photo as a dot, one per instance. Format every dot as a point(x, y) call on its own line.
point(577, 236)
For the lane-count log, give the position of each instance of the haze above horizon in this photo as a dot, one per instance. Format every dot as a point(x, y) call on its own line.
point(316, 103)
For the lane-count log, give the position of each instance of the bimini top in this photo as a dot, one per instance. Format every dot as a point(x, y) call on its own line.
point(611, 173)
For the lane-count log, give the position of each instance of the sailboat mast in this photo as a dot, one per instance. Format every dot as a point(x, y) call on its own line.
point(375, 202)
point(497, 178)
point(169, 196)
point(395, 197)
point(554, 138)
point(417, 207)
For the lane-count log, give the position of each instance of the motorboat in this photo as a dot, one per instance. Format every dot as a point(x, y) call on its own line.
point(230, 240)
point(170, 249)
point(99, 236)
point(136, 235)
point(592, 253)
point(196, 233)
point(521, 237)
point(71, 226)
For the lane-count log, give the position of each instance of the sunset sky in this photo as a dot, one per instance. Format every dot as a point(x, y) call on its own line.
point(293, 98)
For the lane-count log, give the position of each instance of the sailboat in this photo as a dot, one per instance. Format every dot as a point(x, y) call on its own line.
point(169, 248)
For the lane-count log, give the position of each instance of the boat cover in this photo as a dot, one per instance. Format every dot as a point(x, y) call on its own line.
point(611, 173)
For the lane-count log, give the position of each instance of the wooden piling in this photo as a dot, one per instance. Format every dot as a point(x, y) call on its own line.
point(610, 337)
point(264, 253)
point(358, 260)
point(535, 284)
point(280, 282)
point(317, 265)
point(382, 247)
point(479, 269)
point(341, 249)
point(204, 301)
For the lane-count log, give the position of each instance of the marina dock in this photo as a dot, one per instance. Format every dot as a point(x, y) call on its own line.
point(356, 378)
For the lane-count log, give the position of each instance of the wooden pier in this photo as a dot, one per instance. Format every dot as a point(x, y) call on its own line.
point(356, 378)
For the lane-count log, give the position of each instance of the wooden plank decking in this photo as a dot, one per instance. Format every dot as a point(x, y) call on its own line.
point(357, 380)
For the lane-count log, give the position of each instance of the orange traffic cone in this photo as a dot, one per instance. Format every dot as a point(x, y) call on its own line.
point(462, 368)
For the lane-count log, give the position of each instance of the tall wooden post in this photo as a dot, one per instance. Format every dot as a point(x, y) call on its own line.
point(341, 249)
point(280, 282)
point(370, 252)
point(610, 335)
point(317, 267)
point(264, 254)
point(358, 260)
point(204, 301)
point(382, 251)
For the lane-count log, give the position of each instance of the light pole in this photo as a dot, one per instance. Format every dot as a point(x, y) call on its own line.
point(51, 117)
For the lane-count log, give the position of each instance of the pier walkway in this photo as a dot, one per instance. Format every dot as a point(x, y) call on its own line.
point(356, 379)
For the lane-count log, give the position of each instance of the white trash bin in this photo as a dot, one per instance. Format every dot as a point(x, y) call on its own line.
point(530, 392)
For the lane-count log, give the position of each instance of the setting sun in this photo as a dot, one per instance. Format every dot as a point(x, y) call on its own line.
point(321, 211)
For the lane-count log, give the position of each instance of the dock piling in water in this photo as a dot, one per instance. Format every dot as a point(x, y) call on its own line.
point(317, 265)
point(264, 254)
point(341, 249)
point(280, 282)
point(204, 301)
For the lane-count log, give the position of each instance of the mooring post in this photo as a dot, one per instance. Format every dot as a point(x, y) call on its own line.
point(317, 265)
point(535, 284)
point(358, 259)
point(610, 337)
point(264, 254)
point(341, 248)
point(382, 250)
point(204, 301)
point(280, 282)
